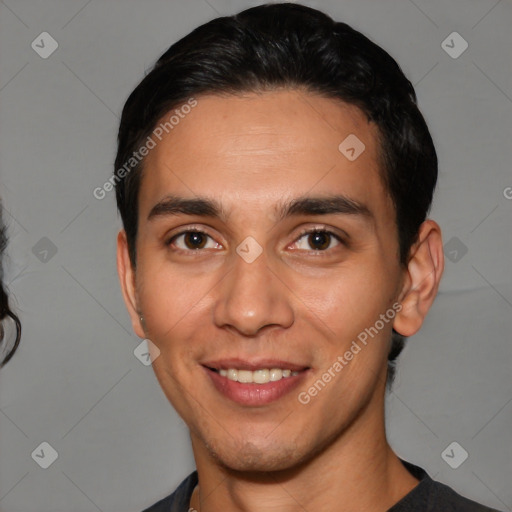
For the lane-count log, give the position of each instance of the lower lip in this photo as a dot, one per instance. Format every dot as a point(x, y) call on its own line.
point(254, 394)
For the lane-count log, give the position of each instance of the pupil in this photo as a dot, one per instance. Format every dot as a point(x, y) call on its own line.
point(320, 239)
point(194, 240)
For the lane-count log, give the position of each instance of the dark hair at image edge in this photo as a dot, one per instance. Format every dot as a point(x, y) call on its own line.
point(296, 47)
point(5, 310)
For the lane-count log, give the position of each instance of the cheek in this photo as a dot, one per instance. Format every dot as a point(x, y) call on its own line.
point(173, 299)
point(172, 305)
point(347, 300)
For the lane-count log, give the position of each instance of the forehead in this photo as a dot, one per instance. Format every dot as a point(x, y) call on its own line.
point(257, 148)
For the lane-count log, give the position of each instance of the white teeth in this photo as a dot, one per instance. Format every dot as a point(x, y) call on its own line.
point(244, 376)
point(276, 374)
point(261, 376)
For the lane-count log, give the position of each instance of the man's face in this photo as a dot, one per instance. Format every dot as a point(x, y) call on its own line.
point(299, 304)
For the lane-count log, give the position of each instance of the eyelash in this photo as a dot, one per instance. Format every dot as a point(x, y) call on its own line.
point(325, 230)
point(301, 235)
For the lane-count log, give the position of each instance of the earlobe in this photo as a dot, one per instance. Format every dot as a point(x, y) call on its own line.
point(424, 271)
point(126, 275)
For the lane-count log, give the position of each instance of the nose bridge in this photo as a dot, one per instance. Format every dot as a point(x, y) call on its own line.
point(251, 296)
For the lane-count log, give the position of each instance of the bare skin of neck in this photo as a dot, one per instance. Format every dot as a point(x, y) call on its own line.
point(356, 471)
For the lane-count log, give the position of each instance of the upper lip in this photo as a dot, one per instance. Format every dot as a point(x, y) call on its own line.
point(254, 364)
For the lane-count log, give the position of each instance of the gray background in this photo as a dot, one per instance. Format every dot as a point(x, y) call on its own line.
point(75, 382)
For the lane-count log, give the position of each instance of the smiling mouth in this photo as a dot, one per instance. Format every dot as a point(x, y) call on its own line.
point(255, 383)
point(260, 376)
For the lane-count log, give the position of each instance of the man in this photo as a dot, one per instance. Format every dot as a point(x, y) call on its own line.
point(274, 175)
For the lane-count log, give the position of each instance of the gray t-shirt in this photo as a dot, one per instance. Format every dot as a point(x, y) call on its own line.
point(427, 496)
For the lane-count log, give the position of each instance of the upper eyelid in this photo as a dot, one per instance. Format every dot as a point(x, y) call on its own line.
point(324, 229)
point(192, 229)
point(341, 239)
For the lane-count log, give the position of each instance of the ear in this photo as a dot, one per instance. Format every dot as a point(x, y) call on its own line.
point(424, 271)
point(127, 279)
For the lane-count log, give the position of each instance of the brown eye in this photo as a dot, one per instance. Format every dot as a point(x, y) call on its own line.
point(318, 240)
point(194, 240)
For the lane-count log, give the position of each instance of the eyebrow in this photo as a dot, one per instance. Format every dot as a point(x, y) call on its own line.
point(206, 207)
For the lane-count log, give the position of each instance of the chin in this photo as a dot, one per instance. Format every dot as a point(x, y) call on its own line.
point(249, 457)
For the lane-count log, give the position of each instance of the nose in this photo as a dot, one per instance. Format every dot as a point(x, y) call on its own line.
point(252, 297)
